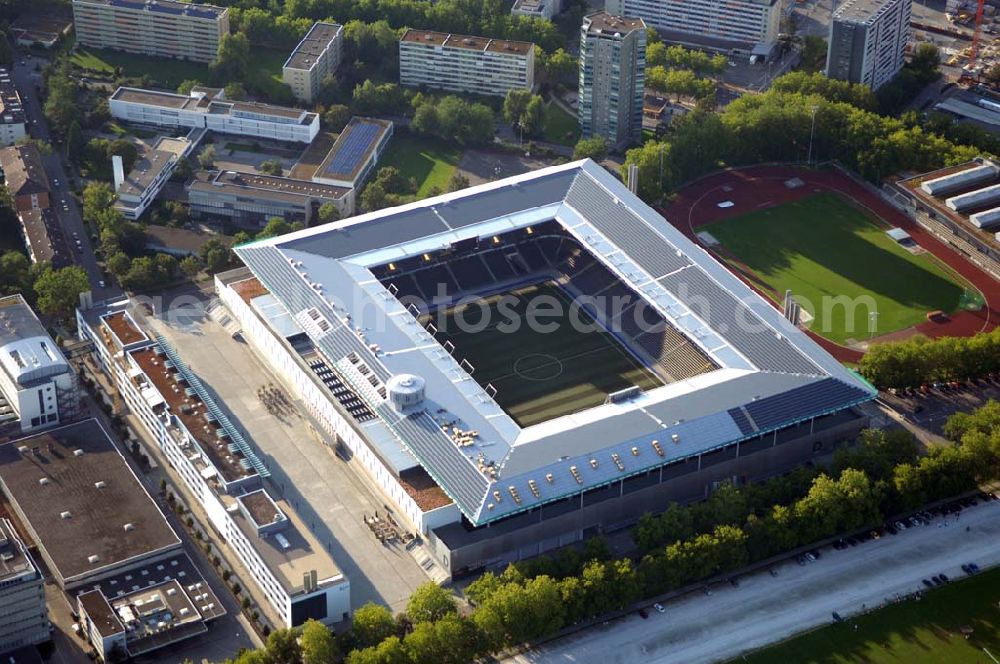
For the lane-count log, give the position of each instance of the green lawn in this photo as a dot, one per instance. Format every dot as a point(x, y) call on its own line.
point(428, 161)
point(918, 632)
point(560, 126)
point(540, 374)
point(168, 73)
point(822, 247)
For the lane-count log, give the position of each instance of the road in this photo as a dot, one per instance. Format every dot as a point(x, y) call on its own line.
point(733, 620)
point(26, 78)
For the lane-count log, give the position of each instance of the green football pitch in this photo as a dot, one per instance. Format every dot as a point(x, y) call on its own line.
point(929, 631)
point(840, 266)
point(544, 370)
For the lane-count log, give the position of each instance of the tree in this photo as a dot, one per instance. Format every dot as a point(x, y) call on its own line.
point(207, 157)
point(233, 59)
point(327, 212)
point(271, 167)
point(190, 266)
point(119, 264)
point(75, 142)
point(515, 103)
point(457, 181)
point(374, 197)
point(533, 117)
point(372, 624)
point(235, 91)
point(317, 643)
point(595, 148)
point(926, 60)
point(126, 150)
point(60, 104)
point(214, 255)
point(186, 86)
point(430, 602)
point(283, 647)
point(336, 117)
point(449, 640)
point(992, 75)
point(58, 291)
point(275, 226)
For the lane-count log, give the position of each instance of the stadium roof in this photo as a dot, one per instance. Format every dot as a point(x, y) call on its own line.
point(771, 375)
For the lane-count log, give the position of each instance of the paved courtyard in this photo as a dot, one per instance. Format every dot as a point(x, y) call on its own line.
point(699, 628)
point(328, 495)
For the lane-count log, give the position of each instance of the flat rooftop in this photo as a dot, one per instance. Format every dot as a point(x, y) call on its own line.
point(162, 7)
point(603, 22)
point(290, 553)
point(150, 165)
point(124, 328)
point(271, 186)
point(312, 46)
point(189, 409)
point(468, 42)
point(353, 148)
point(14, 558)
point(153, 97)
point(11, 107)
point(248, 289)
point(84, 505)
point(860, 11)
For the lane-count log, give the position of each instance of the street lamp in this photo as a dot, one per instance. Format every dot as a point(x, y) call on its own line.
point(812, 132)
point(872, 323)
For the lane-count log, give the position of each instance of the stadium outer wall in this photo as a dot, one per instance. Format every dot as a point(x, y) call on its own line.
point(762, 185)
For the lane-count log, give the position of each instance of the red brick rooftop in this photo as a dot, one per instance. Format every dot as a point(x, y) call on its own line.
point(121, 325)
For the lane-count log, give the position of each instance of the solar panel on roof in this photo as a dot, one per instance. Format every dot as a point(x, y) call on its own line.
point(356, 144)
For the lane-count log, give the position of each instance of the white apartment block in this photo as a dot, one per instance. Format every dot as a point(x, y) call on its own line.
point(612, 78)
point(164, 28)
point(750, 26)
point(868, 41)
point(37, 385)
point(317, 56)
point(460, 63)
point(13, 126)
point(24, 620)
point(536, 8)
point(219, 468)
point(208, 108)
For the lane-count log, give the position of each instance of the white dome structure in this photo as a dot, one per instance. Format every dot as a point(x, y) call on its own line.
point(406, 392)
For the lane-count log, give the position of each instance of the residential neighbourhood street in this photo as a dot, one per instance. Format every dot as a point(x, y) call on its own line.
point(764, 609)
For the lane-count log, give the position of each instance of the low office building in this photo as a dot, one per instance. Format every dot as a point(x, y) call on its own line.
point(13, 126)
point(868, 41)
point(24, 620)
point(314, 58)
point(219, 468)
point(249, 200)
point(102, 536)
point(150, 172)
point(745, 27)
point(24, 176)
point(37, 385)
point(537, 8)
point(208, 108)
point(355, 153)
point(31, 30)
point(43, 237)
point(163, 28)
point(462, 63)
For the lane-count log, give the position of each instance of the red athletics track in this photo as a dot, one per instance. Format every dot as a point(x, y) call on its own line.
point(759, 187)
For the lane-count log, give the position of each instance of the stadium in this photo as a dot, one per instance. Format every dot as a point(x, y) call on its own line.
point(527, 362)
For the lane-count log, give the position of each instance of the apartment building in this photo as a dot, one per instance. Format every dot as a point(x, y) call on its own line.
point(208, 108)
point(24, 619)
point(24, 176)
point(612, 78)
point(744, 26)
point(249, 200)
point(150, 172)
point(13, 126)
point(314, 58)
point(868, 41)
point(219, 469)
point(37, 386)
point(461, 63)
point(164, 28)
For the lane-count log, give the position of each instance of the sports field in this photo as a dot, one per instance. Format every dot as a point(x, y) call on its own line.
point(840, 266)
point(540, 371)
point(924, 632)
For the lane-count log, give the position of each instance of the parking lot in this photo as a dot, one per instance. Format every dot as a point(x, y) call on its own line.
point(763, 609)
point(329, 496)
point(930, 408)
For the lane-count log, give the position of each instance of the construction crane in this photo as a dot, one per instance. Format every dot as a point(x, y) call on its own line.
point(969, 74)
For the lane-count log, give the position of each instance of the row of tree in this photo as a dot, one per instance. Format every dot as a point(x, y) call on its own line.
point(792, 121)
point(919, 360)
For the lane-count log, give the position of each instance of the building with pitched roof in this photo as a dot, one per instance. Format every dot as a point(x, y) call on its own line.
point(341, 313)
point(24, 176)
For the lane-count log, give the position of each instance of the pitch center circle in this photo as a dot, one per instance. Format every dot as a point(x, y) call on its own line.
point(538, 367)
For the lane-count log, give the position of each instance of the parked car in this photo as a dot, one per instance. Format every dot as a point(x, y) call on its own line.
point(659, 608)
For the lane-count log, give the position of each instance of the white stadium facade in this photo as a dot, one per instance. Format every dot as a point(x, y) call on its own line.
point(740, 394)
